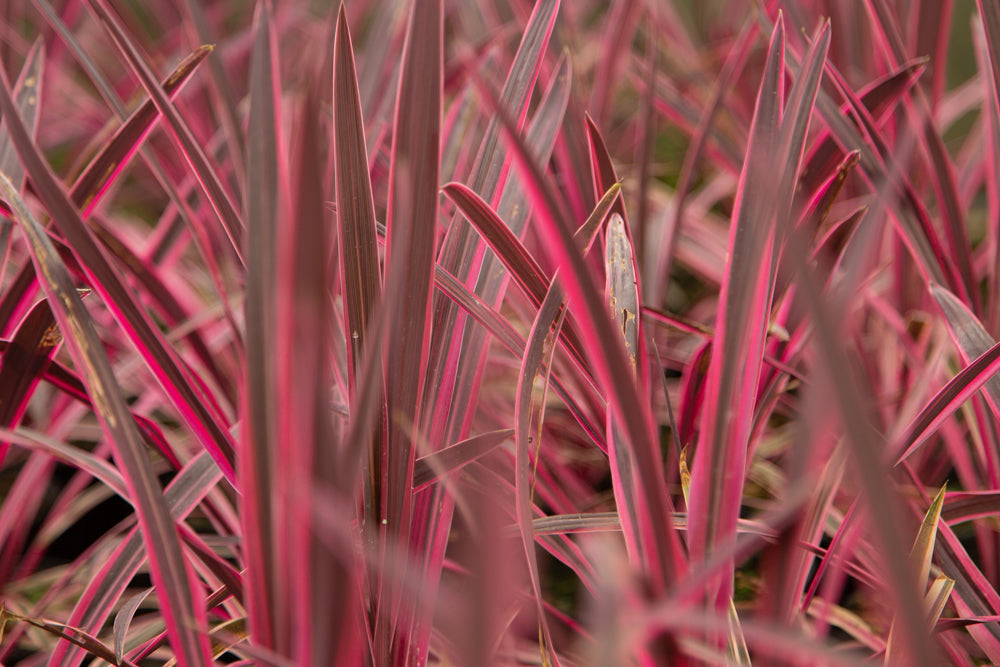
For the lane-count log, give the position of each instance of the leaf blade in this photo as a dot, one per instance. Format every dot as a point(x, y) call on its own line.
point(171, 574)
point(410, 235)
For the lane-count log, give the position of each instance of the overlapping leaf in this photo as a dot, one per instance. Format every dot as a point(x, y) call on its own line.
point(170, 572)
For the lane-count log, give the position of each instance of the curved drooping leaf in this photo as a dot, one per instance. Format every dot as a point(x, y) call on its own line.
point(514, 101)
point(95, 466)
point(123, 619)
point(523, 268)
point(73, 635)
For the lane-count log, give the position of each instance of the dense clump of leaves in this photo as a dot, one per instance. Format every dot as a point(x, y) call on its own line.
point(462, 333)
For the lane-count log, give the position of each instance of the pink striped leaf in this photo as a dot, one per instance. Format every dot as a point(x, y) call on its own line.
point(514, 209)
point(171, 575)
point(523, 268)
point(101, 172)
point(428, 469)
point(461, 248)
point(717, 475)
point(527, 430)
point(410, 248)
point(961, 506)
point(321, 585)
point(104, 590)
point(190, 148)
point(880, 98)
point(88, 642)
point(123, 619)
point(268, 595)
point(149, 341)
point(970, 335)
point(942, 172)
point(356, 209)
point(611, 366)
point(27, 92)
point(977, 374)
point(505, 333)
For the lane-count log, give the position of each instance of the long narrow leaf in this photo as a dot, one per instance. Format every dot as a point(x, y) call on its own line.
point(865, 447)
point(611, 367)
point(97, 602)
point(514, 101)
point(920, 556)
point(717, 475)
point(514, 209)
point(949, 399)
point(170, 572)
point(759, 225)
point(412, 219)
point(460, 247)
point(942, 171)
point(260, 403)
point(103, 278)
point(356, 209)
point(325, 602)
point(191, 149)
point(623, 302)
point(524, 434)
point(27, 90)
point(97, 467)
point(432, 467)
point(358, 242)
point(95, 179)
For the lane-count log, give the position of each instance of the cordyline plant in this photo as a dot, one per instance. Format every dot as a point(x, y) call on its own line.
point(424, 332)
